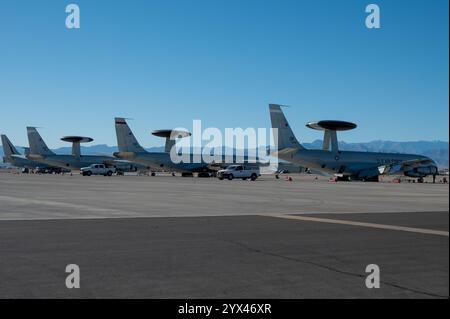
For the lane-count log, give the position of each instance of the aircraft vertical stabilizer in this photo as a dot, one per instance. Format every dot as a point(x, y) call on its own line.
point(8, 148)
point(37, 144)
point(126, 140)
point(286, 138)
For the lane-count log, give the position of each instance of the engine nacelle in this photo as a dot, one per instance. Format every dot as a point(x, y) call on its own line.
point(422, 171)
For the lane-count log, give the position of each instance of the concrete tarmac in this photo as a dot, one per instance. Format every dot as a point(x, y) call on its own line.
point(60, 197)
point(164, 237)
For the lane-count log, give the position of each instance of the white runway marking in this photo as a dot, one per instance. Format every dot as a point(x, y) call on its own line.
point(361, 224)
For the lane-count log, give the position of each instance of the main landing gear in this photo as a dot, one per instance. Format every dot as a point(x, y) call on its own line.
point(187, 175)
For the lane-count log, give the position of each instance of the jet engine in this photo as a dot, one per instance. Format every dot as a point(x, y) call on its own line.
point(422, 171)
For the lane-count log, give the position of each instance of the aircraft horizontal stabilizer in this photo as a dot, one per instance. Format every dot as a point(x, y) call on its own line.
point(286, 152)
point(125, 155)
point(36, 157)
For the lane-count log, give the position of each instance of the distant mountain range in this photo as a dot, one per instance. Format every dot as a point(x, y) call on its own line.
point(437, 150)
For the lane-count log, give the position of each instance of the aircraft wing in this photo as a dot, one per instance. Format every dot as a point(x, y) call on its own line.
point(404, 166)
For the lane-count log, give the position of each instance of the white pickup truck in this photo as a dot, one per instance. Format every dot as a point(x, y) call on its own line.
point(239, 171)
point(97, 169)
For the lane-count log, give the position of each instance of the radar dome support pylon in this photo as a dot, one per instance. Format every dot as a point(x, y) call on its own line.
point(330, 129)
point(76, 143)
point(170, 136)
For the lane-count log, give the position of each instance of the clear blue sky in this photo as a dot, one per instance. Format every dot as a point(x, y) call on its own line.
point(166, 62)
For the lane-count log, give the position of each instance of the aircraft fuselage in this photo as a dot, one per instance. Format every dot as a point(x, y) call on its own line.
point(348, 163)
point(193, 164)
point(23, 162)
point(163, 161)
point(70, 161)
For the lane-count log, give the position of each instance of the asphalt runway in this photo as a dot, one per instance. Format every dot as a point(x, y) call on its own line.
point(164, 237)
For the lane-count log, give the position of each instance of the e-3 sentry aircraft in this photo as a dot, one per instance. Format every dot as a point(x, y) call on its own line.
point(346, 165)
point(39, 152)
point(130, 149)
point(13, 157)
